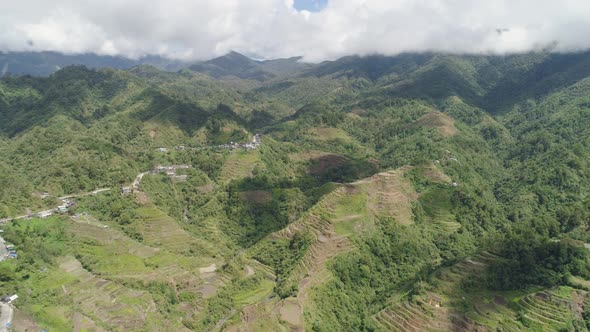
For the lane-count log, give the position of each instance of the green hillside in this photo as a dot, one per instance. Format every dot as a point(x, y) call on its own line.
point(422, 192)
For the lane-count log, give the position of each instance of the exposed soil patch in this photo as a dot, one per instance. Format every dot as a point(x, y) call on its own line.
point(578, 303)
point(326, 162)
point(207, 291)
point(209, 269)
point(358, 111)
point(291, 313)
point(442, 122)
point(256, 196)
point(435, 175)
point(142, 198)
point(23, 322)
point(83, 323)
point(249, 271)
point(500, 300)
point(308, 155)
point(390, 194)
point(327, 134)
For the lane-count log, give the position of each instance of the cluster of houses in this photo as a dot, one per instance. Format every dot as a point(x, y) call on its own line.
point(170, 171)
point(11, 251)
point(256, 141)
point(63, 208)
point(178, 147)
point(67, 203)
point(8, 298)
point(253, 145)
point(449, 157)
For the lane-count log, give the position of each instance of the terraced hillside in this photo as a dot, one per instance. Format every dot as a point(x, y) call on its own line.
point(109, 303)
point(239, 164)
point(374, 201)
point(437, 209)
point(458, 302)
point(162, 231)
point(349, 209)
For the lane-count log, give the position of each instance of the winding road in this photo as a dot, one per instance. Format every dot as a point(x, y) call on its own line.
point(94, 192)
point(137, 180)
point(3, 250)
point(5, 316)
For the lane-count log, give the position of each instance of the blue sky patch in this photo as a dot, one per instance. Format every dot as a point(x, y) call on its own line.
point(310, 5)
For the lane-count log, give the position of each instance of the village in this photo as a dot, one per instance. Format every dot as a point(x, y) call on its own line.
point(8, 251)
point(256, 141)
point(171, 171)
point(253, 145)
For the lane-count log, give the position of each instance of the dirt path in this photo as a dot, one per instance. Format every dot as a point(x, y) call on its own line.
point(137, 180)
point(97, 191)
point(3, 250)
point(5, 316)
point(209, 269)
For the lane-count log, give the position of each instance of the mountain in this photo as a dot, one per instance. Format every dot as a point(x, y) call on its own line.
point(46, 63)
point(237, 65)
point(405, 193)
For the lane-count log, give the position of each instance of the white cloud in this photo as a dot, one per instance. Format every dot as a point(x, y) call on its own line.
point(199, 29)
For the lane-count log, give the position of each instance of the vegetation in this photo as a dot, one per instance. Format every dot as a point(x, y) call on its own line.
point(388, 193)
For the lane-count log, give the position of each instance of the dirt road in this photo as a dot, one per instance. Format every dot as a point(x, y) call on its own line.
point(5, 316)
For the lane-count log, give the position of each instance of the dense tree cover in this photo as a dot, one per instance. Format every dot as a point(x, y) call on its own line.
point(364, 280)
point(39, 243)
point(532, 259)
point(511, 133)
point(283, 255)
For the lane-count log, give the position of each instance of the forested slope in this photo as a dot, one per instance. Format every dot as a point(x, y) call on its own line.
point(417, 192)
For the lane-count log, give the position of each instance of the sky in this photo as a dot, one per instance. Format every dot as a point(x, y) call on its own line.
point(315, 29)
point(310, 5)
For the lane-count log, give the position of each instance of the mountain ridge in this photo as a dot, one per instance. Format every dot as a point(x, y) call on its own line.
point(364, 194)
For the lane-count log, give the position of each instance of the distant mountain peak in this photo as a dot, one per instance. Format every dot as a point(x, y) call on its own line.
point(239, 65)
point(233, 61)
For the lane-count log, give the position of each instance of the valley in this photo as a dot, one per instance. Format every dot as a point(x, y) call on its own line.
point(405, 193)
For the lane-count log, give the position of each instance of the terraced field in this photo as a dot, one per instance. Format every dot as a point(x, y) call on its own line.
point(455, 307)
point(390, 195)
point(321, 221)
point(330, 134)
point(160, 230)
point(437, 208)
point(107, 304)
point(346, 210)
point(208, 221)
point(239, 164)
point(116, 240)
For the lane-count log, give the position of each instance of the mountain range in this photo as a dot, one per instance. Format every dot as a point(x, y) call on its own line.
point(417, 192)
